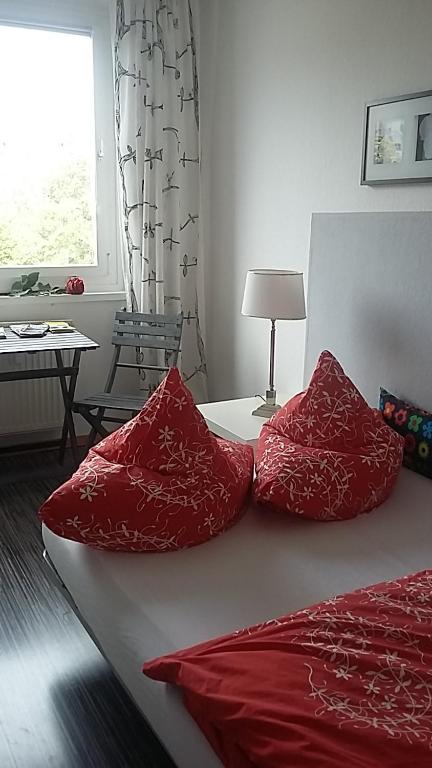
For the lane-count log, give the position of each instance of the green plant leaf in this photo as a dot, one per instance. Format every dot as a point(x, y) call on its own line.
point(29, 285)
point(32, 279)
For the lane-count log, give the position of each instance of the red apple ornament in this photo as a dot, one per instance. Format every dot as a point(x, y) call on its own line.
point(75, 285)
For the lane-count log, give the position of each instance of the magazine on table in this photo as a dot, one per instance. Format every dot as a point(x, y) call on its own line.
point(60, 326)
point(30, 330)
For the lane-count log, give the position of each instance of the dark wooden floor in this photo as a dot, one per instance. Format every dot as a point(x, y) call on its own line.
point(60, 705)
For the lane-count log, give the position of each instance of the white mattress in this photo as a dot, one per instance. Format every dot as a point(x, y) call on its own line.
point(143, 605)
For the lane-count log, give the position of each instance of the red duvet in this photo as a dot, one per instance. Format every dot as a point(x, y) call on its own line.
point(344, 684)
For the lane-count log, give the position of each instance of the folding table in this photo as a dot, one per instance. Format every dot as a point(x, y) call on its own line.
point(56, 343)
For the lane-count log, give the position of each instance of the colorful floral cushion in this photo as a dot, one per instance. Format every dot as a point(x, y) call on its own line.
point(160, 482)
point(415, 426)
point(326, 454)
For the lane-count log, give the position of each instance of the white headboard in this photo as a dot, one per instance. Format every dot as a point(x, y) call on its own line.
point(370, 300)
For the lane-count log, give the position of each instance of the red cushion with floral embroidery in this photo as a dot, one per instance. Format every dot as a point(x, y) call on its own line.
point(326, 454)
point(345, 683)
point(160, 482)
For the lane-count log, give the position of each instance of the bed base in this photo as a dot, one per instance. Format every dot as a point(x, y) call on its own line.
point(58, 583)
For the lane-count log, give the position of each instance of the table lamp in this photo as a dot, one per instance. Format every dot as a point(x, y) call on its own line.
point(275, 294)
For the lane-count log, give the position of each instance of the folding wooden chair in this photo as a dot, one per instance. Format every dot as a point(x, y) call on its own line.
point(142, 331)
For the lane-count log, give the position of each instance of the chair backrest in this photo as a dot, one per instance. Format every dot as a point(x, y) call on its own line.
point(145, 331)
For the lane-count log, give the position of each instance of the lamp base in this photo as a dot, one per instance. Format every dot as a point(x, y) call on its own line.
point(265, 410)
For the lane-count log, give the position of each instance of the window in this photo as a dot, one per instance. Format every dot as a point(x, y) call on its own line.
point(47, 169)
point(57, 155)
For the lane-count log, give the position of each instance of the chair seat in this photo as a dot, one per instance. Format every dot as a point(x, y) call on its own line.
point(136, 332)
point(110, 400)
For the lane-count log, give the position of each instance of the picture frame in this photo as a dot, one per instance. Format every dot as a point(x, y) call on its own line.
point(397, 140)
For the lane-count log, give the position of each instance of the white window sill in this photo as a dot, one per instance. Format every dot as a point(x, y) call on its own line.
point(62, 298)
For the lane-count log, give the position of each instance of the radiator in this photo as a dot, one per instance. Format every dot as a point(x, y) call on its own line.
point(32, 408)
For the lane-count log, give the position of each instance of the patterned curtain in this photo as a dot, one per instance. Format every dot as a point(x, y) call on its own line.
point(157, 121)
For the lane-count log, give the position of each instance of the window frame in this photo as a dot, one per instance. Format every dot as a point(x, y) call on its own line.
point(94, 19)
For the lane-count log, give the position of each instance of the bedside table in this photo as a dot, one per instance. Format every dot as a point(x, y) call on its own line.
point(233, 419)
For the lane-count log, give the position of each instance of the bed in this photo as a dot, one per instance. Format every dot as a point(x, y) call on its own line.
point(137, 607)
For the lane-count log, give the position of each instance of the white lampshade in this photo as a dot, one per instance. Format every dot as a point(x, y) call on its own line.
point(276, 294)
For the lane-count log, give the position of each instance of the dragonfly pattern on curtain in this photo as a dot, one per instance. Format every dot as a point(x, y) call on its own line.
point(157, 126)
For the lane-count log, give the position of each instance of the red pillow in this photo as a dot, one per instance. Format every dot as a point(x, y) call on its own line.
point(326, 454)
point(344, 683)
point(160, 482)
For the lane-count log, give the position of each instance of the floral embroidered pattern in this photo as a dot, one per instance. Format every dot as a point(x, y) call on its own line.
point(375, 640)
point(416, 429)
point(414, 422)
point(327, 455)
point(160, 482)
point(423, 449)
point(351, 675)
point(394, 675)
point(400, 416)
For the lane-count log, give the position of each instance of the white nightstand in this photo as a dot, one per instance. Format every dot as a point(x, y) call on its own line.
point(233, 419)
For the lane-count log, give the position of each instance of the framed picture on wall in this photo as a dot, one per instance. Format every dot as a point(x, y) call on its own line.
point(397, 142)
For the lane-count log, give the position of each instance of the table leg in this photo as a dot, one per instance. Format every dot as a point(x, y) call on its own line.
point(68, 393)
point(96, 425)
point(93, 432)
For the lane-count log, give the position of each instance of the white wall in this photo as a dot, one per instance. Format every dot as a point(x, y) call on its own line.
point(283, 87)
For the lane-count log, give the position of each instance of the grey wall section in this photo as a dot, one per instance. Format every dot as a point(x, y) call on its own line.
point(370, 300)
point(286, 85)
